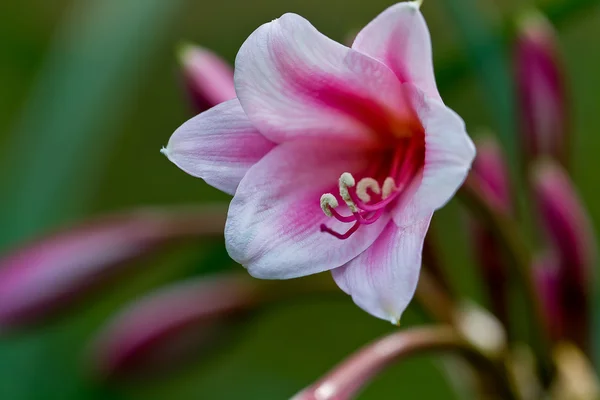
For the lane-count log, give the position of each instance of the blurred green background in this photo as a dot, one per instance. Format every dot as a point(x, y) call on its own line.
point(89, 92)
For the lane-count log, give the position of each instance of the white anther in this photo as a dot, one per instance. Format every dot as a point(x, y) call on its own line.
point(328, 201)
point(346, 181)
point(363, 186)
point(389, 186)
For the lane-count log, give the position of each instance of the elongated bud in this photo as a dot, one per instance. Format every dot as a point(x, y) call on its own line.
point(171, 326)
point(569, 232)
point(541, 90)
point(490, 173)
point(45, 277)
point(208, 78)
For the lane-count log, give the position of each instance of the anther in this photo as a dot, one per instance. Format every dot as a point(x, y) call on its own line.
point(346, 181)
point(363, 186)
point(328, 201)
point(389, 186)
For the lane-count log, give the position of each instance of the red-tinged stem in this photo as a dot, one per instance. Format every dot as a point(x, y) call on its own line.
point(349, 377)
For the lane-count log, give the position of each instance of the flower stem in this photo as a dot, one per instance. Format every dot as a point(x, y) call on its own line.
point(349, 377)
point(508, 235)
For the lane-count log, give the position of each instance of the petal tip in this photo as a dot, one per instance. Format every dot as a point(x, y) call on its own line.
point(417, 4)
point(164, 151)
point(395, 321)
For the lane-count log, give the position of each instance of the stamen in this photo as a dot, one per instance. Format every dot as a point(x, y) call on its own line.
point(373, 207)
point(328, 202)
point(346, 181)
point(363, 185)
point(342, 236)
point(343, 218)
point(370, 220)
point(368, 199)
point(389, 186)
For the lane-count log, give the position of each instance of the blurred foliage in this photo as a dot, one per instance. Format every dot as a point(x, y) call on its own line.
point(90, 92)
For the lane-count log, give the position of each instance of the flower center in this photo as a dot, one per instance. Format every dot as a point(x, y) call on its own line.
point(368, 198)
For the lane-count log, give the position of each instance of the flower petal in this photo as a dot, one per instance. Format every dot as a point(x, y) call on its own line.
point(219, 146)
point(273, 226)
point(293, 81)
point(383, 279)
point(449, 153)
point(399, 38)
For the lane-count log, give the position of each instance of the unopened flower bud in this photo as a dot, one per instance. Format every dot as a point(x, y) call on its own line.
point(167, 328)
point(208, 78)
point(45, 277)
point(569, 232)
point(490, 173)
point(540, 87)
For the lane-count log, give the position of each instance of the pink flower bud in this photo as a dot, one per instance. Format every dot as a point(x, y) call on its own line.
point(46, 276)
point(171, 326)
point(569, 232)
point(209, 79)
point(490, 173)
point(541, 90)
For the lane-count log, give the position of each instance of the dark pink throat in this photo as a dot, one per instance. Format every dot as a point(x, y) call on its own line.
point(385, 182)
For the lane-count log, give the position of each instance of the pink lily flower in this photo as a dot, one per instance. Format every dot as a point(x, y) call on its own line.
point(337, 157)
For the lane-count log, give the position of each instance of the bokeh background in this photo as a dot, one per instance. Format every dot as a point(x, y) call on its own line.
point(89, 92)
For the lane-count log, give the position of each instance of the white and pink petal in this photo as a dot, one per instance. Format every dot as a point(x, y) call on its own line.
point(273, 226)
point(219, 146)
point(449, 153)
point(294, 82)
point(399, 38)
point(383, 279)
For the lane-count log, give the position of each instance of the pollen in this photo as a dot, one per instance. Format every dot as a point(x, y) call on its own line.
point(389, 187)
point(328, 201)
point(364, 185)
point(347, 181)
